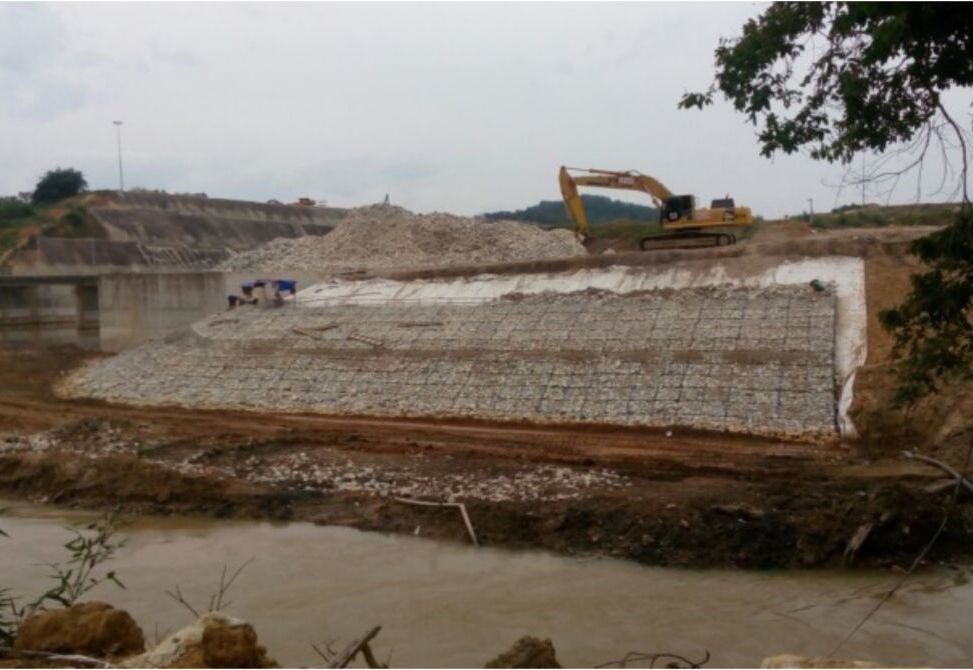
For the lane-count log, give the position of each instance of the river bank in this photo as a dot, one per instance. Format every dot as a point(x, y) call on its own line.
point(657, 497)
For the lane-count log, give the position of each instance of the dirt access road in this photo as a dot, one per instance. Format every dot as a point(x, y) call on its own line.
point(683, 499)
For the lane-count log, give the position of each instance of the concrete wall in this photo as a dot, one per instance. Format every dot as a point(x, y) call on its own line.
point(90, 256)
point(113, 312)
point(137, 307)
point(49, 311)
point(170, 229)
point(191, 205)
point(162, 232)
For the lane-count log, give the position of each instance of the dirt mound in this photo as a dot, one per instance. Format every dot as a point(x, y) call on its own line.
point(93, 629)
point(384, 237)
point(787, 229)
point(939, 423)
point(527, 652)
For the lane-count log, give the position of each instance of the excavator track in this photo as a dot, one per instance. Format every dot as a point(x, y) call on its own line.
point(687, 239)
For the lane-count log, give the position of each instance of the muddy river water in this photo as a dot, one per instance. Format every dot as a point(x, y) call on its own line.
point(443, 604)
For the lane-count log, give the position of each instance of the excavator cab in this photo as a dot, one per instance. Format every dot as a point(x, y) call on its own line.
point(677, 207)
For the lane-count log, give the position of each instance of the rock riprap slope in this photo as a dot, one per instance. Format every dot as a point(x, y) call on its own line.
point(389, 237)
point(748, 360)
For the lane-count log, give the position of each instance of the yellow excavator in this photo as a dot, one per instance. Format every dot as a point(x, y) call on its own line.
point(681, 221)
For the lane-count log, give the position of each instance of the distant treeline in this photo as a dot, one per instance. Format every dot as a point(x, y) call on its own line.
point(599, 209)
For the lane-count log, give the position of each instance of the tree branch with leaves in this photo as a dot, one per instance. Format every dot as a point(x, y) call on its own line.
point(837, 79)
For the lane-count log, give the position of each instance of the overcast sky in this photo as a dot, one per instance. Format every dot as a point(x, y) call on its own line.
point(452, 107)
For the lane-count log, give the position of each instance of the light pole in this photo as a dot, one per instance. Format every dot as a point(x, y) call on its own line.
point(118, 135)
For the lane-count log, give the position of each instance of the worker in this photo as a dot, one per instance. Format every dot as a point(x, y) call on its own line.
point(247, 299)
point(283, 286)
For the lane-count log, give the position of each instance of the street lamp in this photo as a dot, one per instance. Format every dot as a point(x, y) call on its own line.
point(118, 135)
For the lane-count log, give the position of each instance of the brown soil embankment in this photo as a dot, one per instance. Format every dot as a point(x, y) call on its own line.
point(941, 423)
point(686, 499)
point(862, 243)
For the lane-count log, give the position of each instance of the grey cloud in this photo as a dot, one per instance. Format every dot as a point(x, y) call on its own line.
point(366, 176)
point(44, 100)
point(174, 57)
point(32, 44)
point(452, 106)
point(32, 36)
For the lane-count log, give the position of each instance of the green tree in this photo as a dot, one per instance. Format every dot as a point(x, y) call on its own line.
point(600, 209)
point(12, 208)
point(59, 184)
point(839, 78)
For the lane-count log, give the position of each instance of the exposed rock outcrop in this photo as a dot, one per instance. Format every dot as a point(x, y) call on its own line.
point(527, 652)
point(213, 641)
point(92, 629)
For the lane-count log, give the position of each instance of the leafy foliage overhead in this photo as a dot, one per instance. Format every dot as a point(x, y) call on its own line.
point(839, 78)
point(932, 327)
point(59, 184)
point(842, 77)
point(600, 209)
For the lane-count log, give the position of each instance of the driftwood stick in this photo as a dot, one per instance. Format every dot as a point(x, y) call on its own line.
point(10, 652)
point(469, 524)
point(460, 506)
point(370, 659)
point(344, 658)
point(179, 598)
point(945, 467)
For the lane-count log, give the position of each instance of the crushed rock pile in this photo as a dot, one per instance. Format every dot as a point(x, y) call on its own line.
point(531, 483)
point(389, 237)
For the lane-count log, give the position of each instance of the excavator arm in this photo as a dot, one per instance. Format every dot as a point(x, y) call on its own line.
point(632, 181)
point(678, 214)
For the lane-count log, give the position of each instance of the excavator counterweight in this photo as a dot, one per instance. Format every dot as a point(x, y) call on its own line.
point(680, 219)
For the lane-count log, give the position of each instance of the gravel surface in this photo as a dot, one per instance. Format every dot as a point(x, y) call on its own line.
point(321, 469)
point(388, 237)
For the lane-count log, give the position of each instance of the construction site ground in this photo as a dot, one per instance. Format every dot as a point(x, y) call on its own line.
point(652, 495)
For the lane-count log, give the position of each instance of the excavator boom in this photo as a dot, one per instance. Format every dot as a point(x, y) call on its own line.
point(677, 212)
point(631, 181)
